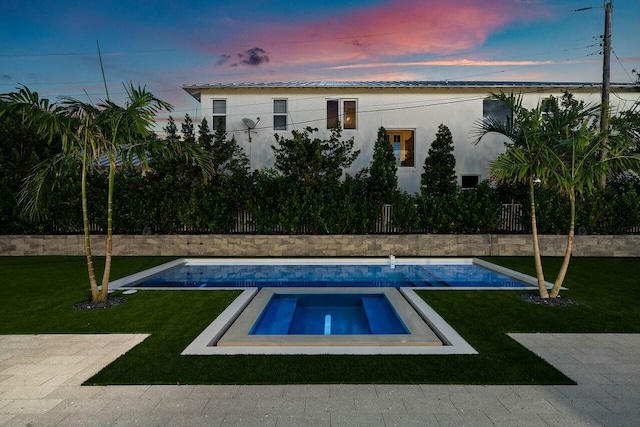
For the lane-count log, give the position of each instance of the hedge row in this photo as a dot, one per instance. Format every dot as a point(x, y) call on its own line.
point(264, 202)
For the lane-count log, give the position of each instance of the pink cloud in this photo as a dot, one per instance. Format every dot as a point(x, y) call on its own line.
point(392, 30)
point(440, 63)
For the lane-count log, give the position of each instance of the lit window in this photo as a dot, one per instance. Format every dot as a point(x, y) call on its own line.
point(220, 114)
point(403, 143)
point(280, 114)
point(497, 110)
point(470, 181)
point(348, 114)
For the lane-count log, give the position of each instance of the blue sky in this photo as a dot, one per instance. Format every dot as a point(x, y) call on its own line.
point(51, 46)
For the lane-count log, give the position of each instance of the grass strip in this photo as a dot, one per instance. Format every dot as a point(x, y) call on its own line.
point(37, 295)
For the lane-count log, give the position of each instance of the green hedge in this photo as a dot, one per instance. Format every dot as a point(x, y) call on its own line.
point(613, 210)
point(150, 203)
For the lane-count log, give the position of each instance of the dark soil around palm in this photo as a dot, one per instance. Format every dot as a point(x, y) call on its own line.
point(95, 305)
point(552, 302)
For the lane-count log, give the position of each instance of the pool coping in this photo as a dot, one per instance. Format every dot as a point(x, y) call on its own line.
point(239, 334)
point(452, 342)
point(128, 281)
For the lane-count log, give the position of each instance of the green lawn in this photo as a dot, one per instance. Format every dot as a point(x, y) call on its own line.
point(37, 295)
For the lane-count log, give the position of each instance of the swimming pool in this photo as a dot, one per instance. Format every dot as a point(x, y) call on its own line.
point(260, 279)
point(419, 273)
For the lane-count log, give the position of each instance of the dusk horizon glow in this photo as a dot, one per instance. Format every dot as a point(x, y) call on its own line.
point(163, 45)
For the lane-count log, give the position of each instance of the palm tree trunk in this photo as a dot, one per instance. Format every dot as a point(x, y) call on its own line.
point(555, 291)
point(87, 235)
point(542, 287)
point(107, 261)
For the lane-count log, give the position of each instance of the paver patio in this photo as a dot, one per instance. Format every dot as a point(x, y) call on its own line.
point(40, 377)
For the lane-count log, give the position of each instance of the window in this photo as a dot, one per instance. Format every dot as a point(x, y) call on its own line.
point(497, 110)
point(280, 114)
point(219, 114)
point(349, 114)
point(403, 146)
point(470, 181)
point(332, 114)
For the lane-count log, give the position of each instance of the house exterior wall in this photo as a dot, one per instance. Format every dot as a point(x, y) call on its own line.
point(421, 109)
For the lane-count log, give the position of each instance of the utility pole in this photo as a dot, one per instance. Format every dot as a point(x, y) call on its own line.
point(606, 81)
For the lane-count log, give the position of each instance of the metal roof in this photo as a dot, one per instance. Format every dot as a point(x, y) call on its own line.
point(195, 89)
point(103, 161)
point(376, 84)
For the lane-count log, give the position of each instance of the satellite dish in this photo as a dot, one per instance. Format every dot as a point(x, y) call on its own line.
point(250, 124)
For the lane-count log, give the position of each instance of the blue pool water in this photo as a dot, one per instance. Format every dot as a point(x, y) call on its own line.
point(271, 275)
point(328, 314)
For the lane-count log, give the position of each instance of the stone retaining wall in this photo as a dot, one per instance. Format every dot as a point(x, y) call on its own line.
point(217, 245)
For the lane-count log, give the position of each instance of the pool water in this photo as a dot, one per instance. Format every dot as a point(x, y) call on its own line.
point(328, 314)
point(454, 275)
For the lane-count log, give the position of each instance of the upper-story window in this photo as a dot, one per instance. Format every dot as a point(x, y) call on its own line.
point(349, 121)
point(332, 113)
point(220, 114)
point(343, 111)
point(280, 114)
point(497, 110)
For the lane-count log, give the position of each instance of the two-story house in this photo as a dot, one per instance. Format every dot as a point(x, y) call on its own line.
point(411, 112)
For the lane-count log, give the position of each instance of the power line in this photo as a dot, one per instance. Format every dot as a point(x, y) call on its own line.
point(622, 65)
point(369, 74)
point(529, 55)
point(450, 79)
point(392, 107)
point(60, 54)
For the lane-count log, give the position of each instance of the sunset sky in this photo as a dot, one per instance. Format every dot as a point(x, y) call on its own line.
point(165, 44)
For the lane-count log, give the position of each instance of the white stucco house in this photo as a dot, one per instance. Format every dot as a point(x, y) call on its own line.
point(411, 112)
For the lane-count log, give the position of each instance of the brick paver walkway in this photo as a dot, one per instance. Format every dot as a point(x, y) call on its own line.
point(40, 379)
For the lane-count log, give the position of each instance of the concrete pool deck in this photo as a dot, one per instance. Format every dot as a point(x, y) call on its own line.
point(40, 377)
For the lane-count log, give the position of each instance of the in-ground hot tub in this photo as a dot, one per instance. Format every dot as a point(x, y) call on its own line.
point(426, 332)
point(328, 314)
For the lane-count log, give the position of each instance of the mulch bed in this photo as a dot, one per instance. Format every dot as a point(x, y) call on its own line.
point(552, 302)
point(95, 305)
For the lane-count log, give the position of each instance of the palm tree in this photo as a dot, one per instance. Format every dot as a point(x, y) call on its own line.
point(561, 148)
point(578, 166)
point(73, 123)
point(124, 132)
point(89, 133)
point(525, 161)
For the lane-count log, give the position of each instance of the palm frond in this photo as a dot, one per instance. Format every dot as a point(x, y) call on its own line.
point(38, 188)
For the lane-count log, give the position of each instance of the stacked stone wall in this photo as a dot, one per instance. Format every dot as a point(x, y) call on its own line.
point(235, 245)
